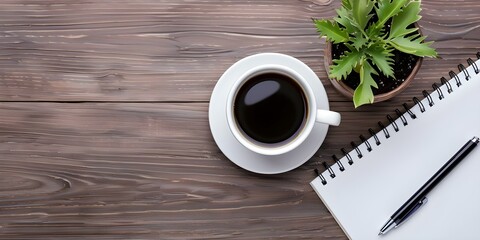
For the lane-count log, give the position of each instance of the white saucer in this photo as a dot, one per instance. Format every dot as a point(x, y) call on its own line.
point(233, 149)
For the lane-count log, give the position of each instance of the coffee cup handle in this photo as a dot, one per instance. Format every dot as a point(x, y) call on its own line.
point(328, 117)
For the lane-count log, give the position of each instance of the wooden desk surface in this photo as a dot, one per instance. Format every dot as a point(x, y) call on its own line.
point(103, 116)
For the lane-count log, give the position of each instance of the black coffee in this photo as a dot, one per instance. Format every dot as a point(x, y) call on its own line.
point(270, 107)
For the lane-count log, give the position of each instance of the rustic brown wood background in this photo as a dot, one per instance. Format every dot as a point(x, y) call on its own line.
point(104, 116)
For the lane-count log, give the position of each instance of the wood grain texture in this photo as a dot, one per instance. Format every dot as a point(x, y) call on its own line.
point(176, 50)
point(129, 170)
point(104, 116)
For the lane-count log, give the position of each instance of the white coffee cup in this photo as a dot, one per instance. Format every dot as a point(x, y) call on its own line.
point(312, 114)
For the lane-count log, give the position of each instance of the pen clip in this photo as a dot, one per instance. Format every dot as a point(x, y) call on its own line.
point(411, 212)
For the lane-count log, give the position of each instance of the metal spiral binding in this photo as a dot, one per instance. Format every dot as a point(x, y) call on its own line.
point(428, 97)
point(439, 91)
point(364, 140)
point(345, 153)
point(384, 129)
point(330, 171)
point(339, 163)
point(374, 135)
point(444, 81)
point(462, 68)
point(394, 124)
point(420, 104)
point(457, 79)
point(401, 116)
point(354, 146)
point(474, 65)
point(322, 178)
point(412, 115)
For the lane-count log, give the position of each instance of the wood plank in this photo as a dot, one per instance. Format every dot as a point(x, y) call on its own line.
point(176, 50)
point(146, 170)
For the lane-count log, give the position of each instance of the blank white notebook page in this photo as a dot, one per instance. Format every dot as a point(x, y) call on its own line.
point(364, 196)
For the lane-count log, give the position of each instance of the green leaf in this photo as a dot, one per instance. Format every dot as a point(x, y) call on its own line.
point(359, 40)
point(414, 45)
point(344, 66)
point(361, 12)
point(382, 58)
point(387, 9)
point(345, 19)
point(402, 20)
point(363, 93)
point(373, 32)
point(347, 4)
point(331, 30)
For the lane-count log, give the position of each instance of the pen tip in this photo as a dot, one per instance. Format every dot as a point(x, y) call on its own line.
point(380, 233)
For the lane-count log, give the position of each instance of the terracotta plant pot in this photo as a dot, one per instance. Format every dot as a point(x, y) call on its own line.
point(348, 92)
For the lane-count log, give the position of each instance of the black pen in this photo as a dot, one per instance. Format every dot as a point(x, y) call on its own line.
point(419, 198)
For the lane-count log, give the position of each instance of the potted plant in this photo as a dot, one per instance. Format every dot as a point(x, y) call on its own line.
point(374, 47)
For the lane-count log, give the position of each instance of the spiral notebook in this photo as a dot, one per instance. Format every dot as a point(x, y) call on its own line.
point(368, 184)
